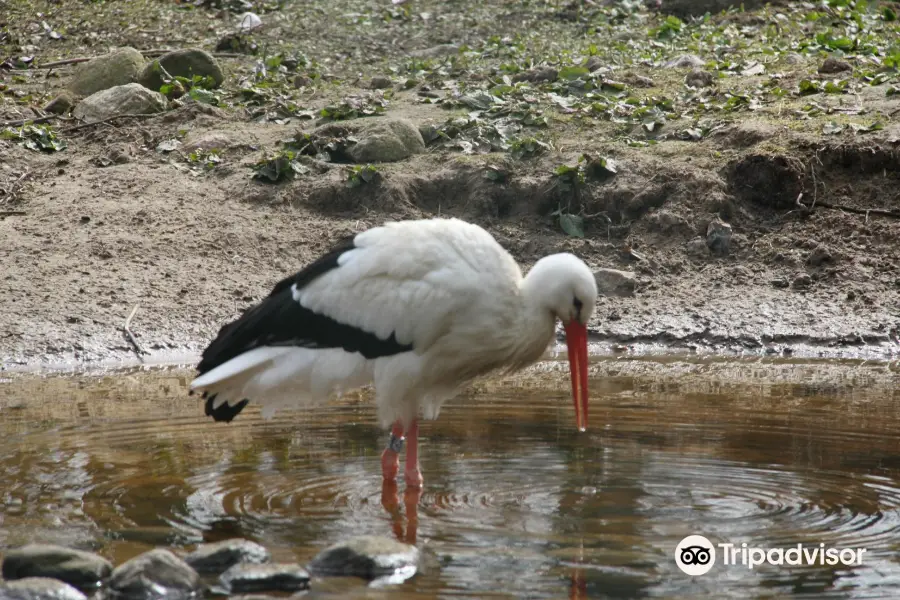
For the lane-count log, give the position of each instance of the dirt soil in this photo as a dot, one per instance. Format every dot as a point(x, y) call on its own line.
point(803, 166)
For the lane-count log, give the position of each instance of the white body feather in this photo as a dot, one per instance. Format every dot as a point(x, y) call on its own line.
point(444, 286)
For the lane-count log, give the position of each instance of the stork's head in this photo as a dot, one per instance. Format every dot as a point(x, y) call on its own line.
point(564, 285)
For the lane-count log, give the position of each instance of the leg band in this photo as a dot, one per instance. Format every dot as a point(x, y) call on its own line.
point(396, 443)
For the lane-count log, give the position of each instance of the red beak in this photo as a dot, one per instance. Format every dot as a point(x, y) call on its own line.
point(576, 340)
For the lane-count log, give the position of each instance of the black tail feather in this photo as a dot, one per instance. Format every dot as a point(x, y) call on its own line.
point(225, 412)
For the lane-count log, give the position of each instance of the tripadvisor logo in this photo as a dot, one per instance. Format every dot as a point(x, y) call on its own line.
point(696, 555)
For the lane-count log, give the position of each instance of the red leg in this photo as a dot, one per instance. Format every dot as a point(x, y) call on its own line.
point(411, 497)
point(412, 473)
point(391, 503)
point(390, 458)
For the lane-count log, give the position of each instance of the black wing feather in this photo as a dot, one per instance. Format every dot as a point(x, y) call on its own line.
point(281, 321)
point(225, 412)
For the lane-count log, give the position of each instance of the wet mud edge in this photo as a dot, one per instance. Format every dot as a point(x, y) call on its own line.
point(796, 278)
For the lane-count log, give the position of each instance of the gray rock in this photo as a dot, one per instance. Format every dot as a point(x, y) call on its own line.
point(593, 63)
point(153, 575)
point(685, 61)
point(697, 248)
point(818, 256)
point(84, 570)
point(369, 557)
point(384, 140)
point(220, 556)
point(699, 78)
point(685, 9)
point(380, 82)
point(429, 132)
point(209, 141)
point(641, 81)
point(537, 74)
point(668, 222)
point(436, 51)
point(251, 578)
point(132, 98)
point(184, 63)
point(833, 65)
point(718, 236)
point(801, 282)
point(792, 58)
point(101, 73)
point(61, 104)
point(612, 282)
point(748, 132)
point(39, 588)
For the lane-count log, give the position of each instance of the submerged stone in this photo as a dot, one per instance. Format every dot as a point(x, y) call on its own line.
point(39, 588)
point(153, 575)
point(83, 570)
point(248, 578)
point(369, 557)
point(218, 557)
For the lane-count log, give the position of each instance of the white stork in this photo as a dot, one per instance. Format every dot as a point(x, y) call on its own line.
point(419, 308)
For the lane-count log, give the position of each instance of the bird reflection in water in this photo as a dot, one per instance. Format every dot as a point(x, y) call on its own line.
point(390, 500)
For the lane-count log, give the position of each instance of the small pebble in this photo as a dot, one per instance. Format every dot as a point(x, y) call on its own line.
point(834, 65)
point(380, 82)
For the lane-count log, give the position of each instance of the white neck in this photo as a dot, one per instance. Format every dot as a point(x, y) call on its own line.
point(535, 323)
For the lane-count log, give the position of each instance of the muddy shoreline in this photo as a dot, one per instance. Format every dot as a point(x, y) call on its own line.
point(757, 213)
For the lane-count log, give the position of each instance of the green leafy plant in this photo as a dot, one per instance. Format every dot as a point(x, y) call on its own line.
point(207, 159)
point(808, 87)
point(668, 29)
point(527, 147)
point(572, 225)
point(34, 137)
point(570, 179)
point(178, 86)
point(279, 167)
point(353, 107)
point(330, 145)
point(359, 175)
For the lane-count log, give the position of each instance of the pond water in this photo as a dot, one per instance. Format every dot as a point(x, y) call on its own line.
point(516, 502)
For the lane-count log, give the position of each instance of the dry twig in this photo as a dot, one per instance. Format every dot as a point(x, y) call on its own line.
point(67, 61)
point(126, 329)
point(16, 187)
point(107, 120)
point(881, 212)
point(20, 122)
point(12, 213)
